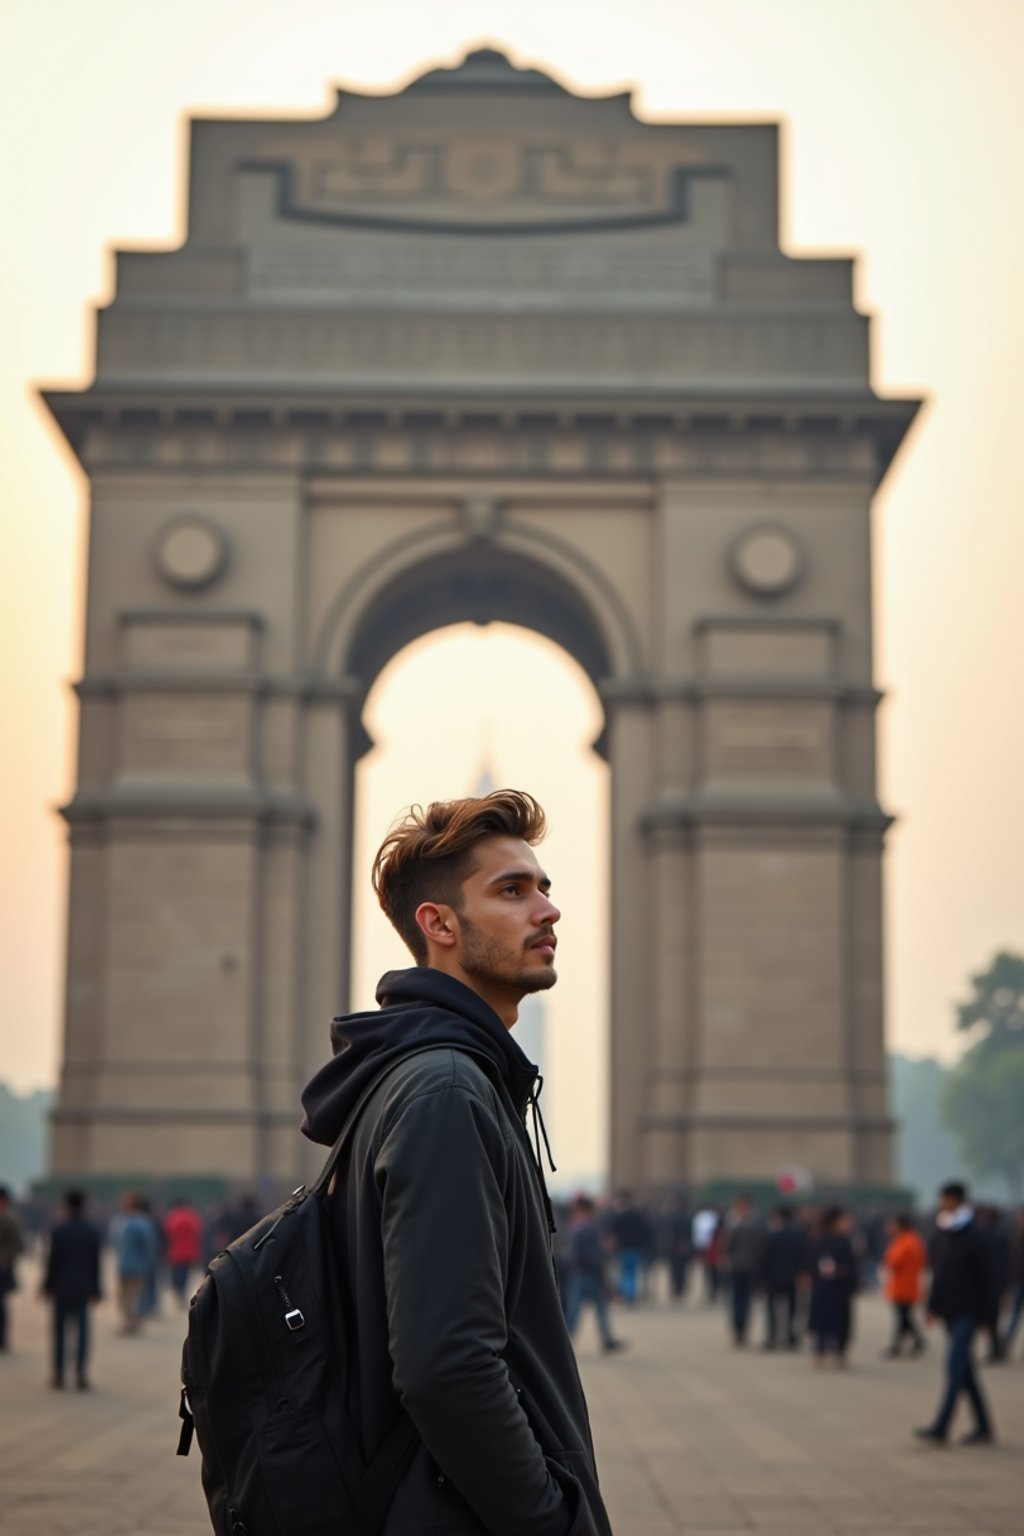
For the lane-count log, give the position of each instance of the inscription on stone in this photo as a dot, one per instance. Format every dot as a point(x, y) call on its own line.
point(464, 268)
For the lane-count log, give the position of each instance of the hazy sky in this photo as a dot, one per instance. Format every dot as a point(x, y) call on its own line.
point(903, 141)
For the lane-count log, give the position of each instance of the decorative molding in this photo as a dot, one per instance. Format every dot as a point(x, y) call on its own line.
point(190, 552)
point(767, 560)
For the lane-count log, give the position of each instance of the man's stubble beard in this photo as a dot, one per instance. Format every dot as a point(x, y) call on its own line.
point(488, 961)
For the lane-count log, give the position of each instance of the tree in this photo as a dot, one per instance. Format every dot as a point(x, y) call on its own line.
point(984, 1105)
point(996, 1007)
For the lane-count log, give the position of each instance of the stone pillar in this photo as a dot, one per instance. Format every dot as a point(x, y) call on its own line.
point(630, 746)
point(331, 739)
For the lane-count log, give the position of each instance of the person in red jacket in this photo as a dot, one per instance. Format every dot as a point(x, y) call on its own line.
point(904, 1262)
point(183, 1239)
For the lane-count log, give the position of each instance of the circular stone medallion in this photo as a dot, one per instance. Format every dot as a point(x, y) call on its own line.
point(766, 560)
point(190, 552)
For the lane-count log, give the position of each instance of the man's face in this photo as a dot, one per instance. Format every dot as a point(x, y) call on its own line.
point(949, 1202)
point(505, 926)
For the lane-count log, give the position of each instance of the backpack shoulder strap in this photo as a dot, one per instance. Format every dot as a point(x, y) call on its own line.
point(347, 1131)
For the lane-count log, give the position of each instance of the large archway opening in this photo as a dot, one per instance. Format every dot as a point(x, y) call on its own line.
point(469, 705)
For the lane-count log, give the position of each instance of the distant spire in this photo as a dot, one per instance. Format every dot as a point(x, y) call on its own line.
point(486, 69)
point(486, 782)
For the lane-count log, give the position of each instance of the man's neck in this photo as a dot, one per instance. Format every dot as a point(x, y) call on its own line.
point(503, 1002)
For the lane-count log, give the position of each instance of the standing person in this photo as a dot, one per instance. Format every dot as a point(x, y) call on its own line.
point(633, 1234)
point(149, 1299)
point(443, 1220)
point(961, 1296)
point(72, 1284)
point(584, 1265)
point(833, 1285)
point(744, 1256)
point(676, 1243)
point(997, 1236)
point(133, 1248)
point(706, 1243)
point(904, 1262)
point(12, 1246)
point(785, 1259)
point(1016, 1283)
point(183, 1244)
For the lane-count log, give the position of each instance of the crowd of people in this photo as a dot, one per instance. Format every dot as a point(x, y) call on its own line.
point(804, 1268)
point(800, 1268)
point(152, 1251)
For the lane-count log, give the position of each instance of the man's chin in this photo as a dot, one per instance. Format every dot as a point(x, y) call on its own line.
point(538, 981)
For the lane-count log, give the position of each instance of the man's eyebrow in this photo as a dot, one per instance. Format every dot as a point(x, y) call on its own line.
point(527, 875)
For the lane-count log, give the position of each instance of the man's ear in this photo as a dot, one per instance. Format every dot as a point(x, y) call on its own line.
point(435, 922)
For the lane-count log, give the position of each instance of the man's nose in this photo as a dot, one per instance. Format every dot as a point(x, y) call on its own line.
point(549, 914)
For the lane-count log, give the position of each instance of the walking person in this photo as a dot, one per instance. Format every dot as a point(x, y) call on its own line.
point(584, 1273)
point(744, 1255)
point(785, 1259)
point(71, 1283)
point(834, 1272)
point(961, 1297)
point(904, 1262)
point(443, 1221)
point(12, 1246)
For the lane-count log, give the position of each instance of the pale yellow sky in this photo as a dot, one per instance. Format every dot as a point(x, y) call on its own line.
point(904, 141)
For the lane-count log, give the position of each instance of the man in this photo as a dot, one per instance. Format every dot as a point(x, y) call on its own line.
point(744, 1251)
point(961, 1295)
point(72, 1284)
point(442, 1216)
point(785, 1259)
point(12, 1245)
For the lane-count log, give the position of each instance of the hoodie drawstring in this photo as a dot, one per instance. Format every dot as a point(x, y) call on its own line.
point(538, 1119)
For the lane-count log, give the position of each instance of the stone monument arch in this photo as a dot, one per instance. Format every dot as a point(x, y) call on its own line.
point(481, 349)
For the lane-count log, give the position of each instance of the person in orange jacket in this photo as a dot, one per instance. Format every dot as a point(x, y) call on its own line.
point(904, 1262)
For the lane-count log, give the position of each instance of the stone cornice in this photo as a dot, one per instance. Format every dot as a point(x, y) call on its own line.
point(160, 803)
point(838, 811)
point(817, 433)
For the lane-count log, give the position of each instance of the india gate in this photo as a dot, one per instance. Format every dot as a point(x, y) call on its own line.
point(482, 349)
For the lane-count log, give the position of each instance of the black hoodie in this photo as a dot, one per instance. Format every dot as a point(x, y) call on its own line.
point(443, 1227)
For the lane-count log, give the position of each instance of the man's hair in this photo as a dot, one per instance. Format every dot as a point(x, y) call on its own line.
point(429, 853)
point(953, 1189)
point(74, 1200)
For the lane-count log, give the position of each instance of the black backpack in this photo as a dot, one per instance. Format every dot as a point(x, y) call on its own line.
point(263, 1380)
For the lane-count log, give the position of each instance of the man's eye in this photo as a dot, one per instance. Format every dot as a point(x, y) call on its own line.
point(513, 888)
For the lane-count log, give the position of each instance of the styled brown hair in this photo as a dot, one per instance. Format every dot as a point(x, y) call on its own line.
point(429, 853)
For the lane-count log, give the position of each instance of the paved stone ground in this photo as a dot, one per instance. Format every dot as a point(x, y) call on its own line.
point(693, 1437)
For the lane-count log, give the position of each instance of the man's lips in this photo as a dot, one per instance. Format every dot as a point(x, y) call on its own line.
point(549, 943)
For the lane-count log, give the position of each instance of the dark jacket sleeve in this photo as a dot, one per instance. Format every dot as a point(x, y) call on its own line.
point(441, 1172)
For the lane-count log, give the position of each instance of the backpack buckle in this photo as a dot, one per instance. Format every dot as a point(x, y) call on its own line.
point(295, 1320)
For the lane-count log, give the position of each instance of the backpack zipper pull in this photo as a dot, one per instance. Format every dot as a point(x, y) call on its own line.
point(293, 1318)
point(188, 1425)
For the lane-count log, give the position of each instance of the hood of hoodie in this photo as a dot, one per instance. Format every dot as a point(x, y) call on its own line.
point(418, 1008)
